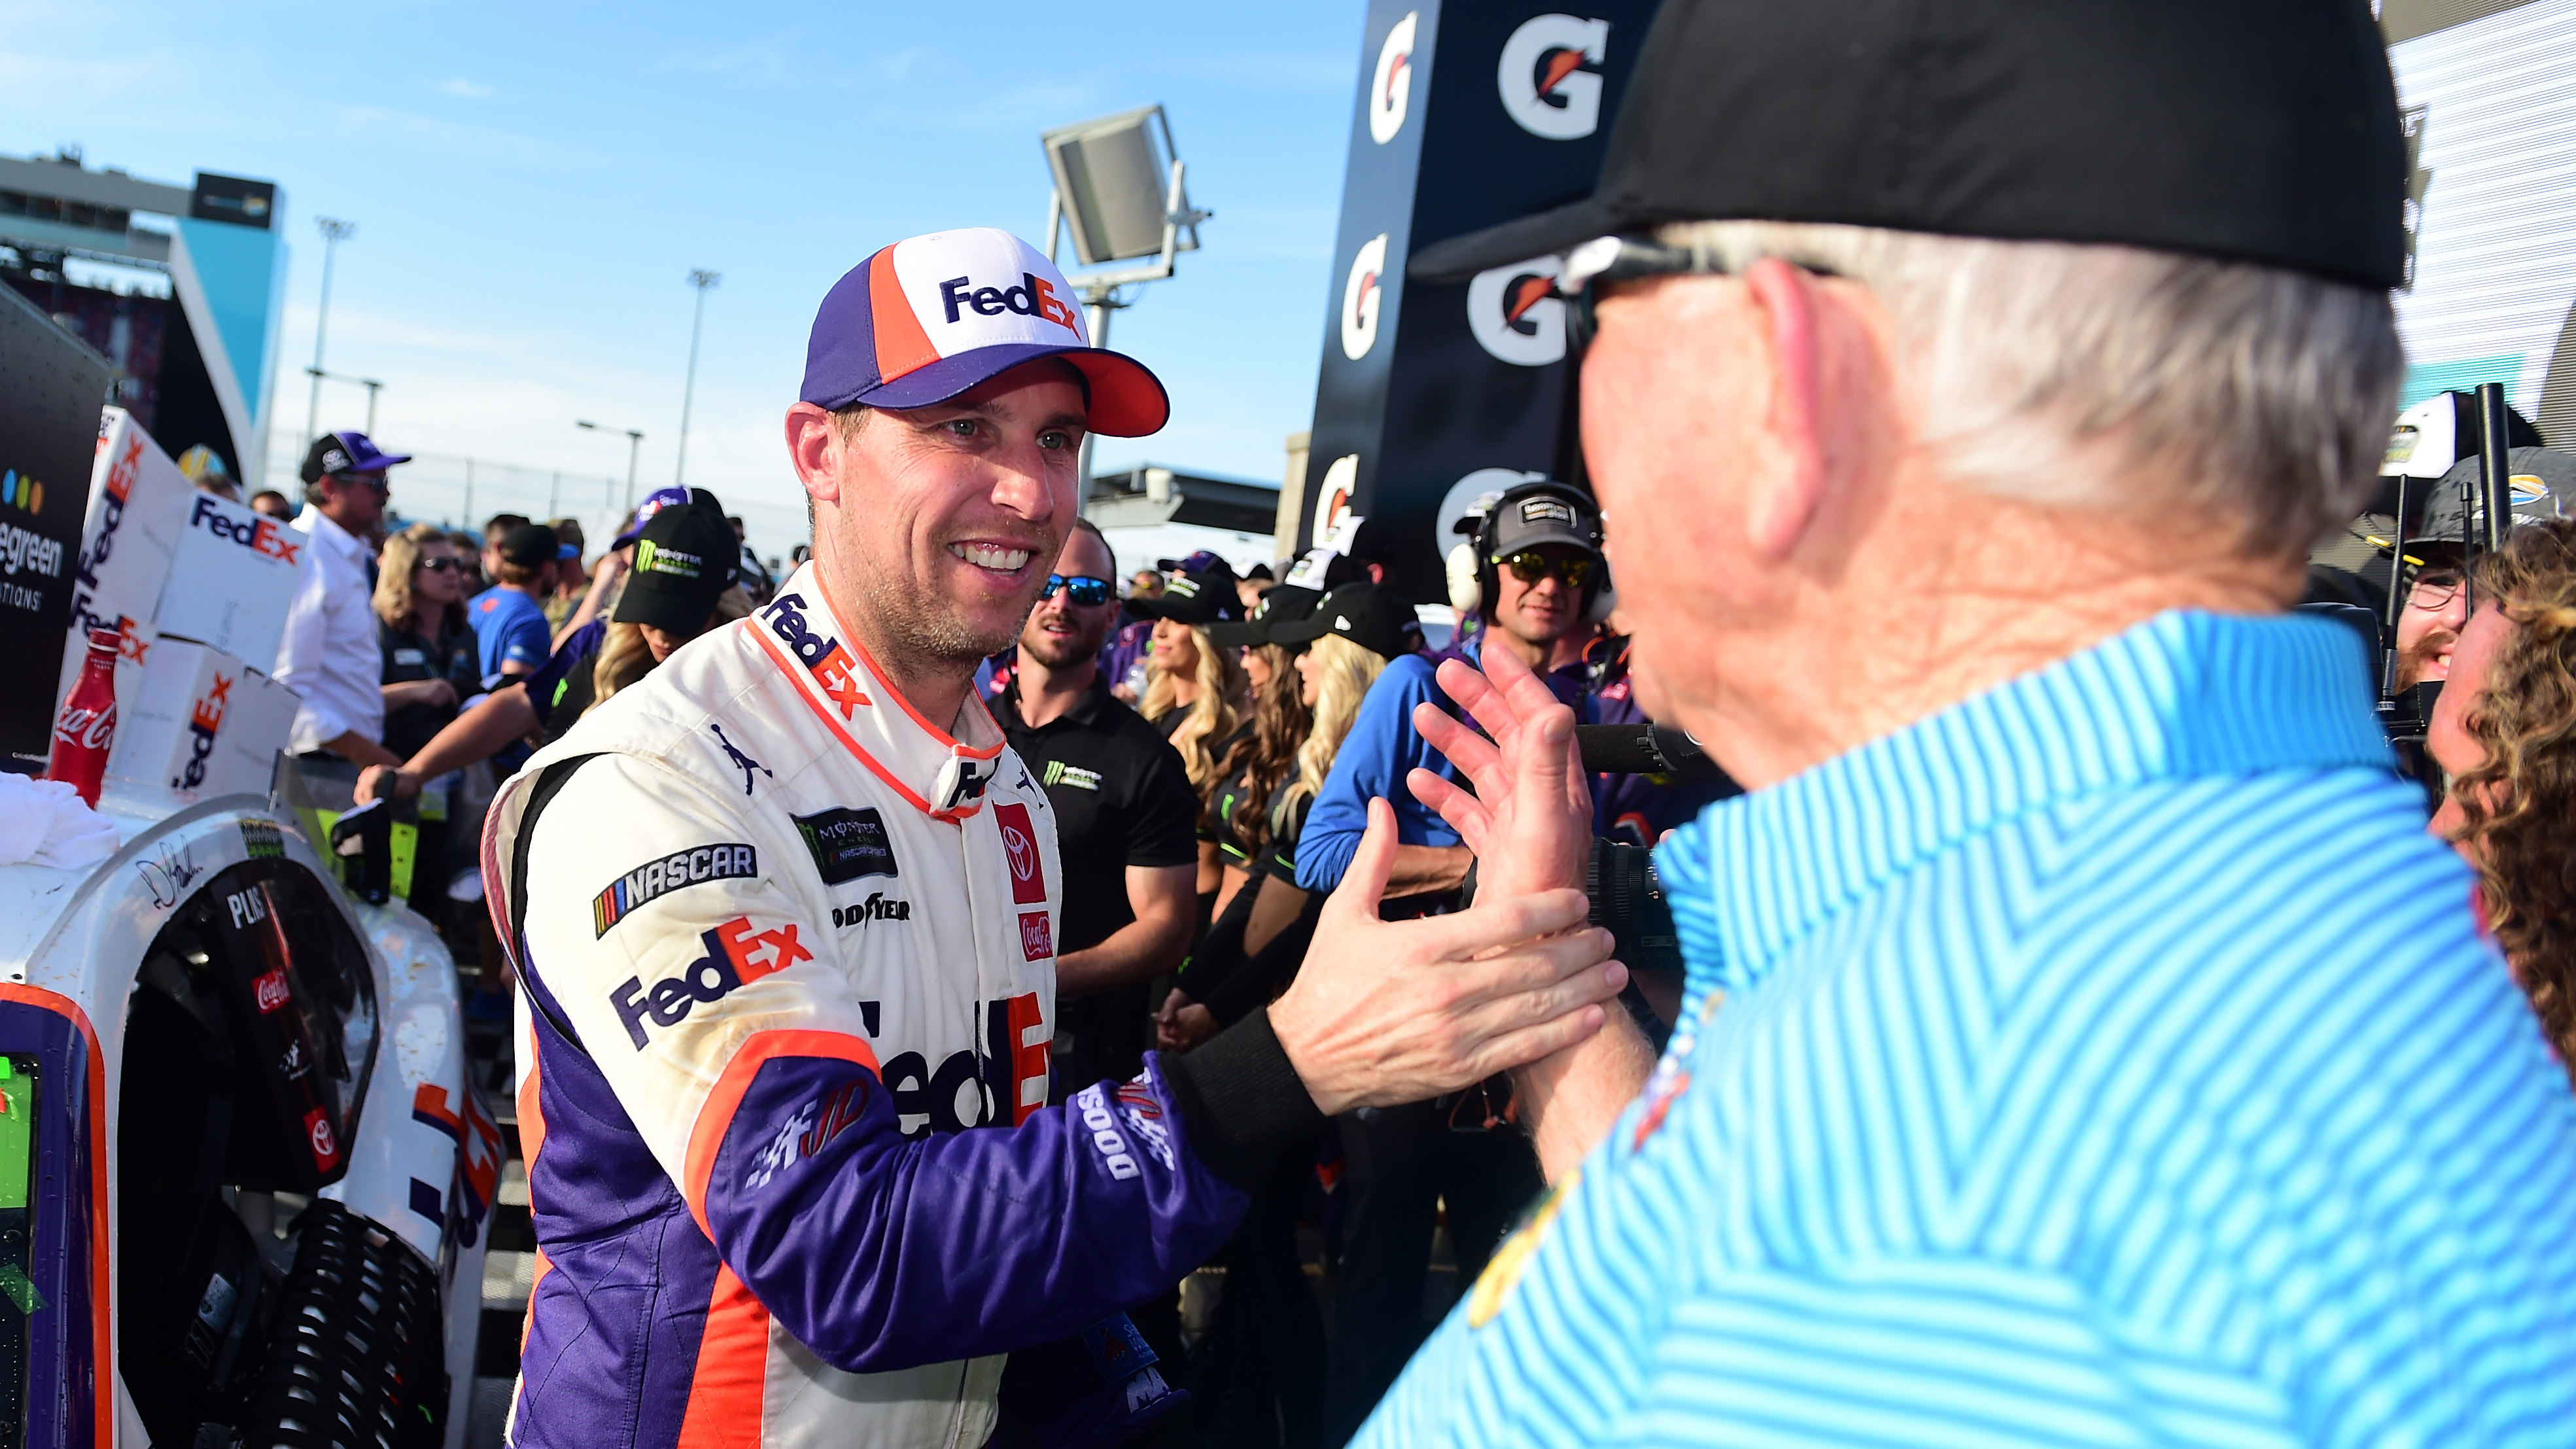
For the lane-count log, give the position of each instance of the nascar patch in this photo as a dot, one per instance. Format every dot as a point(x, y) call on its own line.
point(657, 878)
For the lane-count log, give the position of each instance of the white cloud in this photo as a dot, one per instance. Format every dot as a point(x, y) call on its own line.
point(464, 90)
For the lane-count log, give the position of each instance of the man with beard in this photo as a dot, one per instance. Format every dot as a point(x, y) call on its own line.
point(1124, 820)
point(786, 915)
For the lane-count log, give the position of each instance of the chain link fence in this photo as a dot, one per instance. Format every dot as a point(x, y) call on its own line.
point(460, 492)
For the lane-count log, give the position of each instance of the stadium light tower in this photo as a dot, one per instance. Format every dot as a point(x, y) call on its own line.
point(701, 279)
point(634, 450)
point(1119, 186)
point(334, 231)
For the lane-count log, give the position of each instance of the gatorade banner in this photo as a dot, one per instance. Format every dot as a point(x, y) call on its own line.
point(51, 387)
point(1466, 115)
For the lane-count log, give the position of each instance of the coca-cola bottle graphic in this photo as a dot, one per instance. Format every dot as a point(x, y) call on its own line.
point(87, 724)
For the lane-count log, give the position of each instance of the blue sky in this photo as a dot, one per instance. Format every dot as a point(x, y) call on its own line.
point(533, 183)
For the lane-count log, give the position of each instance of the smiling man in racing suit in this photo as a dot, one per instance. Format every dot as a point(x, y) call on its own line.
point(786, 912)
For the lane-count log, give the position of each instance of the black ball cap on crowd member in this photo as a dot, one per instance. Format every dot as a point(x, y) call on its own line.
point(685, 557)
point(1280, 604)
point(346, 452)
point(529, 545)
point(1534, 519)
point(1196, 590)
point(1369, 615)
point(2250, 130)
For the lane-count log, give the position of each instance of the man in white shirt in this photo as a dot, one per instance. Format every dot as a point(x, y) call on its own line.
point(329, 655)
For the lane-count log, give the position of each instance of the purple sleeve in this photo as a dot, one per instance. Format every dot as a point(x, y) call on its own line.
point(879, 1252)
point(547, 681)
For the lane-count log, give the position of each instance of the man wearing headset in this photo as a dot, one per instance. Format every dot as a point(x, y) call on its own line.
point(1533, 569)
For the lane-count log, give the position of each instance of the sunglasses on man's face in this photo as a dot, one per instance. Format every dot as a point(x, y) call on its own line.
point(1529, 566)
point(1082, 589)
point(1591, 268)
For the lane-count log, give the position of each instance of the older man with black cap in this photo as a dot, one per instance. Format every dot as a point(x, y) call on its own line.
point(328, 653)
point(2082, 1044)
point(786, 914)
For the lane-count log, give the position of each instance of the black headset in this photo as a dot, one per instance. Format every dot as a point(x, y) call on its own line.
point(1472, 581)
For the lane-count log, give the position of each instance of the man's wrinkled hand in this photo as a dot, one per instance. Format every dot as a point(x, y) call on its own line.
point(1529, 819)
point(1388, 1012)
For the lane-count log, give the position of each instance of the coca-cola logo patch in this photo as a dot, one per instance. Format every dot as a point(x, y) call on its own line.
point(270, 991)
point(1037, 938)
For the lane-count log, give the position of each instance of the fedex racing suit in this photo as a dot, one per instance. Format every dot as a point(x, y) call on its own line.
point(781, 941)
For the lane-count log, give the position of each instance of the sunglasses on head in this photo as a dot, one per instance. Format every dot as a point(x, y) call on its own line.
point(1082, 589)
point(1529, 566)
point(1631, 258)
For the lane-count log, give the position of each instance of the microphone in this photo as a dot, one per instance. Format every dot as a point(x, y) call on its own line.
point(1645, 749)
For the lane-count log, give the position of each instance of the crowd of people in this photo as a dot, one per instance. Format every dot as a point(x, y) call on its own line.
point(2084, 1034)
point(420, 653)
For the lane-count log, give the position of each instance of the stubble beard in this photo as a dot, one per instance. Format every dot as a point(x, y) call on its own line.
point(923, 626)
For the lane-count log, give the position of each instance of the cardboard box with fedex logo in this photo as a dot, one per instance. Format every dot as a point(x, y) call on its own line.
point(137, 501)
point(233, 579)
point(203, 724)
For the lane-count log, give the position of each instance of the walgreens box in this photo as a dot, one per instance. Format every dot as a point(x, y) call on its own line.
point(232, 579)
point(204, 723)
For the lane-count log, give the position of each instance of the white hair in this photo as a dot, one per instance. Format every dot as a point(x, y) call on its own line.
point(2062, 373)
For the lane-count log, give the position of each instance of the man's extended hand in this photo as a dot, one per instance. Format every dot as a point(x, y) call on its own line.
point(1530, 818)
point(1386, 1012)
point(1530, 822)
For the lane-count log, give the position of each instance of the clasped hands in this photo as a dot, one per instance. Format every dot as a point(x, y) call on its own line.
point(1387, 1012)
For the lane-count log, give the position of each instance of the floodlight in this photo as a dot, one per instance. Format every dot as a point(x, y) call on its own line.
point(1118, 185)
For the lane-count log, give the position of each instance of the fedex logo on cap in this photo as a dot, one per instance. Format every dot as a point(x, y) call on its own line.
point(1033, 297)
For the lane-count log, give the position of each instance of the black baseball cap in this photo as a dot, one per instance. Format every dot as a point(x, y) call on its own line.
point(529, 545)
point(334, 453)
point(2259, 131)
point(1196, 590)
point(1280, 604)
point(684, 558)
point(1372, 616)
point(1530, 519)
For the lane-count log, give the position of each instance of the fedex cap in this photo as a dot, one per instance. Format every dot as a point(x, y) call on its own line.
point(928, 318)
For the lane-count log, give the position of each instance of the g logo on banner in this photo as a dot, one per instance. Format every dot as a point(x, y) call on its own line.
point(1361, 298)
point(1542, 80)
point(1516, 313)
point(1392, 86)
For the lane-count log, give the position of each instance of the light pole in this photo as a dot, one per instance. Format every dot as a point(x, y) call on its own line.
point(701, 279)
point(634, 449)
point(334, 231)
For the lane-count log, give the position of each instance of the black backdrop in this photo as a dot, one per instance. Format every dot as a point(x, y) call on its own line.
point(1427, 403)
point(51, 388)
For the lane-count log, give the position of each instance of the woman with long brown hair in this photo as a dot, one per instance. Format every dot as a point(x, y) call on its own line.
point(1237, 813)
point(2505, 732)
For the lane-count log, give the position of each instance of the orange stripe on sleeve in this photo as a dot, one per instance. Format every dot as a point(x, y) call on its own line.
point(707, 1136)
point(733, 1365)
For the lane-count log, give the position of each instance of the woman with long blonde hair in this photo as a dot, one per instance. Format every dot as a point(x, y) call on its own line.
point(1195, 692)
point(427, 669)
point(1251, 956)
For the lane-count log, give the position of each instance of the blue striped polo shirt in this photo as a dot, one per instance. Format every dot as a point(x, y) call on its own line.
point(2110, 1059)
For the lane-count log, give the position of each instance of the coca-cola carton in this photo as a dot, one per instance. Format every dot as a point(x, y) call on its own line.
point(137, 498)
point(233, 579)
point(204, 723)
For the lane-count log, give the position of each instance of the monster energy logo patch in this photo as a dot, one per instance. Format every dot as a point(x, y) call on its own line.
point(653, 559)
point(1060, 773)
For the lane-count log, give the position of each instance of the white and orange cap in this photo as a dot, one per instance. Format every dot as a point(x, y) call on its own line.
point(929, 318)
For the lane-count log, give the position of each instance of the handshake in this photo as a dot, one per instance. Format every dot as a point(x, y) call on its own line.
point(1388, 1012)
